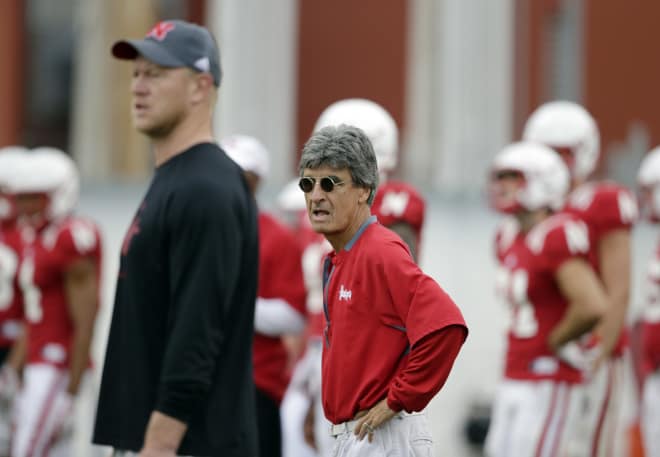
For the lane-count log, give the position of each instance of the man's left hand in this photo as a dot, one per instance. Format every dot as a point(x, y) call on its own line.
point(374, 418)
point(164, 433)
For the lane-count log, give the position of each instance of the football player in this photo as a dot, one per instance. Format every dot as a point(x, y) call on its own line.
point(609, 210)
point(649, 184)
point(555, 297)
point(11, 308)
point(280, 307)
point(59, 278)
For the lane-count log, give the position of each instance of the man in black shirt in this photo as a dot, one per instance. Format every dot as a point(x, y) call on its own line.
point(178, 370)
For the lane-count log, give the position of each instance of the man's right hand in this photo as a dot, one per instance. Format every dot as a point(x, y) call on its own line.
point(580, 357)
point(368, 423)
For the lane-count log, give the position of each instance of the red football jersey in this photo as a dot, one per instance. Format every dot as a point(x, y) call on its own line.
point(604, 207)
point(55, 249)
point(378, 304)
point(11, 307)
point(526, 280)
point(651, 320)
point(397, 201)
point(280, 276)
point(313, 254)
point(314, 248)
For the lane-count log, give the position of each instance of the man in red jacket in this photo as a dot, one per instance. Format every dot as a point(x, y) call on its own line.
point(391, 333)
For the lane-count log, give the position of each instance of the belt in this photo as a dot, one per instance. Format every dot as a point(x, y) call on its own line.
point(344, 427)
point(349, 426)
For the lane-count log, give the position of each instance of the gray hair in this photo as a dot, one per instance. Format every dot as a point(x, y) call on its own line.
point(343, 147)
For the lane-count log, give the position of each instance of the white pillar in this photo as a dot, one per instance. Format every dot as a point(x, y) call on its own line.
point(460, 92)
point(258, 54)
point(90, 126)
point(103, 140)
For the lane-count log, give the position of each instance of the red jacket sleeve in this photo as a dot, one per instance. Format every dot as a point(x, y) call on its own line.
point(430, 361)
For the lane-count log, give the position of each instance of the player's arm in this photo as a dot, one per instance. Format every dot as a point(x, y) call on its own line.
point(407, 234)
point(16, 358)
point(614, 253)
point(81, 286)
point(283, 313)
point(586, 298)
point(275, 316)
point(10, 372)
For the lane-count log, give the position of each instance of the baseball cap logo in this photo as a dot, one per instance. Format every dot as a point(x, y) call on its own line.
point(160, 30)
point(203, 64)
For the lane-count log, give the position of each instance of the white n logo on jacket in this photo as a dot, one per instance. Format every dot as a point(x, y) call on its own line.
point(344, 294)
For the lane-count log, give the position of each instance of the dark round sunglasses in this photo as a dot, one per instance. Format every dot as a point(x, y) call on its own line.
point(328, 183)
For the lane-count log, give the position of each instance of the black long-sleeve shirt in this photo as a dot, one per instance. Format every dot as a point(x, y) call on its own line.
point(181, 333)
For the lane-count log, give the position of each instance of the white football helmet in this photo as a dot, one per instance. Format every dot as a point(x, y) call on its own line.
point(291, 198)
point(373, 119)
point(648, 179)
point(52, 172)
point(248, 152)
point(564, 125)
point(545, 178)
point(11, 158)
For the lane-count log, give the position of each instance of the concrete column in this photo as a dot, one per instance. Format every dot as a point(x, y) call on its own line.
point(460, 95)
point(103, 140)
point(422, 82)
point(258, 46)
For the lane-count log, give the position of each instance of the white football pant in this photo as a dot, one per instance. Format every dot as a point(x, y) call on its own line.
point(601, 424)
point(305, 387)
point(534, 419)
point(44, 414)
point(651, 415)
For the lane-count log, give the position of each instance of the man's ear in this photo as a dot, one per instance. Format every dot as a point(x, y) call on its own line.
point(365, 196)
point(203, 86)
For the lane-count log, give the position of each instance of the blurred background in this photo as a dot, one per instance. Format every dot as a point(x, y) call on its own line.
point(459, 76)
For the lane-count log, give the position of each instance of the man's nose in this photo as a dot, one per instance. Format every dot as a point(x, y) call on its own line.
point(138, 85)
point(317, 193)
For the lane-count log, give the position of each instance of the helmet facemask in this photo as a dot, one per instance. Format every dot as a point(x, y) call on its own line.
point(505, 189)
point(649, 186)
point(535, 172)
point(649, 203)
point(46, 186)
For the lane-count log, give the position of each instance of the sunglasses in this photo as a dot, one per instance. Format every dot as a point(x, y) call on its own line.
point(328, 183)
